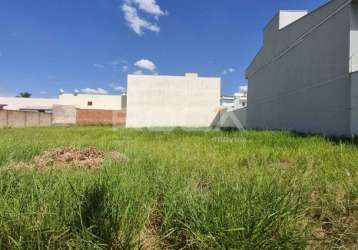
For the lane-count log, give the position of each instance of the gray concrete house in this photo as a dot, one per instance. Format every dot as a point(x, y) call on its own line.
point(305, 76)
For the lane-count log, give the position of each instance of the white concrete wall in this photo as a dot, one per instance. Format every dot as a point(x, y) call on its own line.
point(289, 16)
point(172, 101)
point(104, 102)
point(64, 114)
point(354, 38)
point(3, 118)
point(17, 103)
point(299, 80)
point(22, 119)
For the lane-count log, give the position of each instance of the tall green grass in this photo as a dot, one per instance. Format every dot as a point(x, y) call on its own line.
point(181, 190)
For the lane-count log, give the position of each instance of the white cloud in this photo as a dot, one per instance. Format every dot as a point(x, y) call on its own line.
point(145, 64)
point(228, 71)
point(98, 65)
point(135, 22)
point(61, 91)
point(149, 6)
point(138, 72)
point(118, 88)
point(94, 91)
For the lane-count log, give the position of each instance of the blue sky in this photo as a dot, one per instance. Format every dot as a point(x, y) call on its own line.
point(91, 45)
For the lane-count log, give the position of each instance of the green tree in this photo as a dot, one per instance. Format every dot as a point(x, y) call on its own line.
point(24, 95)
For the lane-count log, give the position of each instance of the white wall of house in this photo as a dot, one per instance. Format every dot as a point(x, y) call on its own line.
point(354, 68)
point(354, 38)
point(300, 78)
point(289, 16)
point(241, 98)
point(17, 103)
point(227, 102)
point(85, 101)
point(172, 101)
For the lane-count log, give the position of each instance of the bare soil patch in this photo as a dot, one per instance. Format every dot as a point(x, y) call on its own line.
point(69, 157)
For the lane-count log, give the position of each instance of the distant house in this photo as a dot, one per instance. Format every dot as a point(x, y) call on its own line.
point(236, 101)
point(42, 109)
point(227, 102)
point(172, 101)
point(99, 102)
point(305, 76)
point(240, 98)
point(92, 109)
point(28, 104)
point(74, 108)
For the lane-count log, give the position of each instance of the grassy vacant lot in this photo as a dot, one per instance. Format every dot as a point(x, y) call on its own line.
point(180, 189)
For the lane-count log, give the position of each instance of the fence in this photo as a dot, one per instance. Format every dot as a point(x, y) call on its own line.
point(67, 115)
point(22, 119)
point(62, 115)
point(101, 117)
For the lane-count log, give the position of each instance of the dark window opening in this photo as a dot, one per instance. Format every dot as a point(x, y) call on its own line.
point(89, 103)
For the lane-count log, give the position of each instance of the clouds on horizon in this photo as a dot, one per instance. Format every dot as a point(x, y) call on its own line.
point(98, 91)
point(118, 88)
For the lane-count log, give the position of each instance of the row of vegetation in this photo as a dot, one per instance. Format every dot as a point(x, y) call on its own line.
point(179, 190)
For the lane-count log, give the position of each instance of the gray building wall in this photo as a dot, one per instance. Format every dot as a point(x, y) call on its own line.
point(354, 103)
point(300, 79)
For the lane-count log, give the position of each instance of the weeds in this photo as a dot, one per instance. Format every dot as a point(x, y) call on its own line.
point(180, 190)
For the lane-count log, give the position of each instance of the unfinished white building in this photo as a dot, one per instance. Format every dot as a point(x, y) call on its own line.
point(172, 101)
point(305, 76)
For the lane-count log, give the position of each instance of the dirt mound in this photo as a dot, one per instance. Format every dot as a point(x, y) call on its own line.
point(70, 157)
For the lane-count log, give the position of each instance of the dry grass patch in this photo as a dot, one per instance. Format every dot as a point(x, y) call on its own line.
point(69, 157)
point(333, 224)
point(149, 235)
